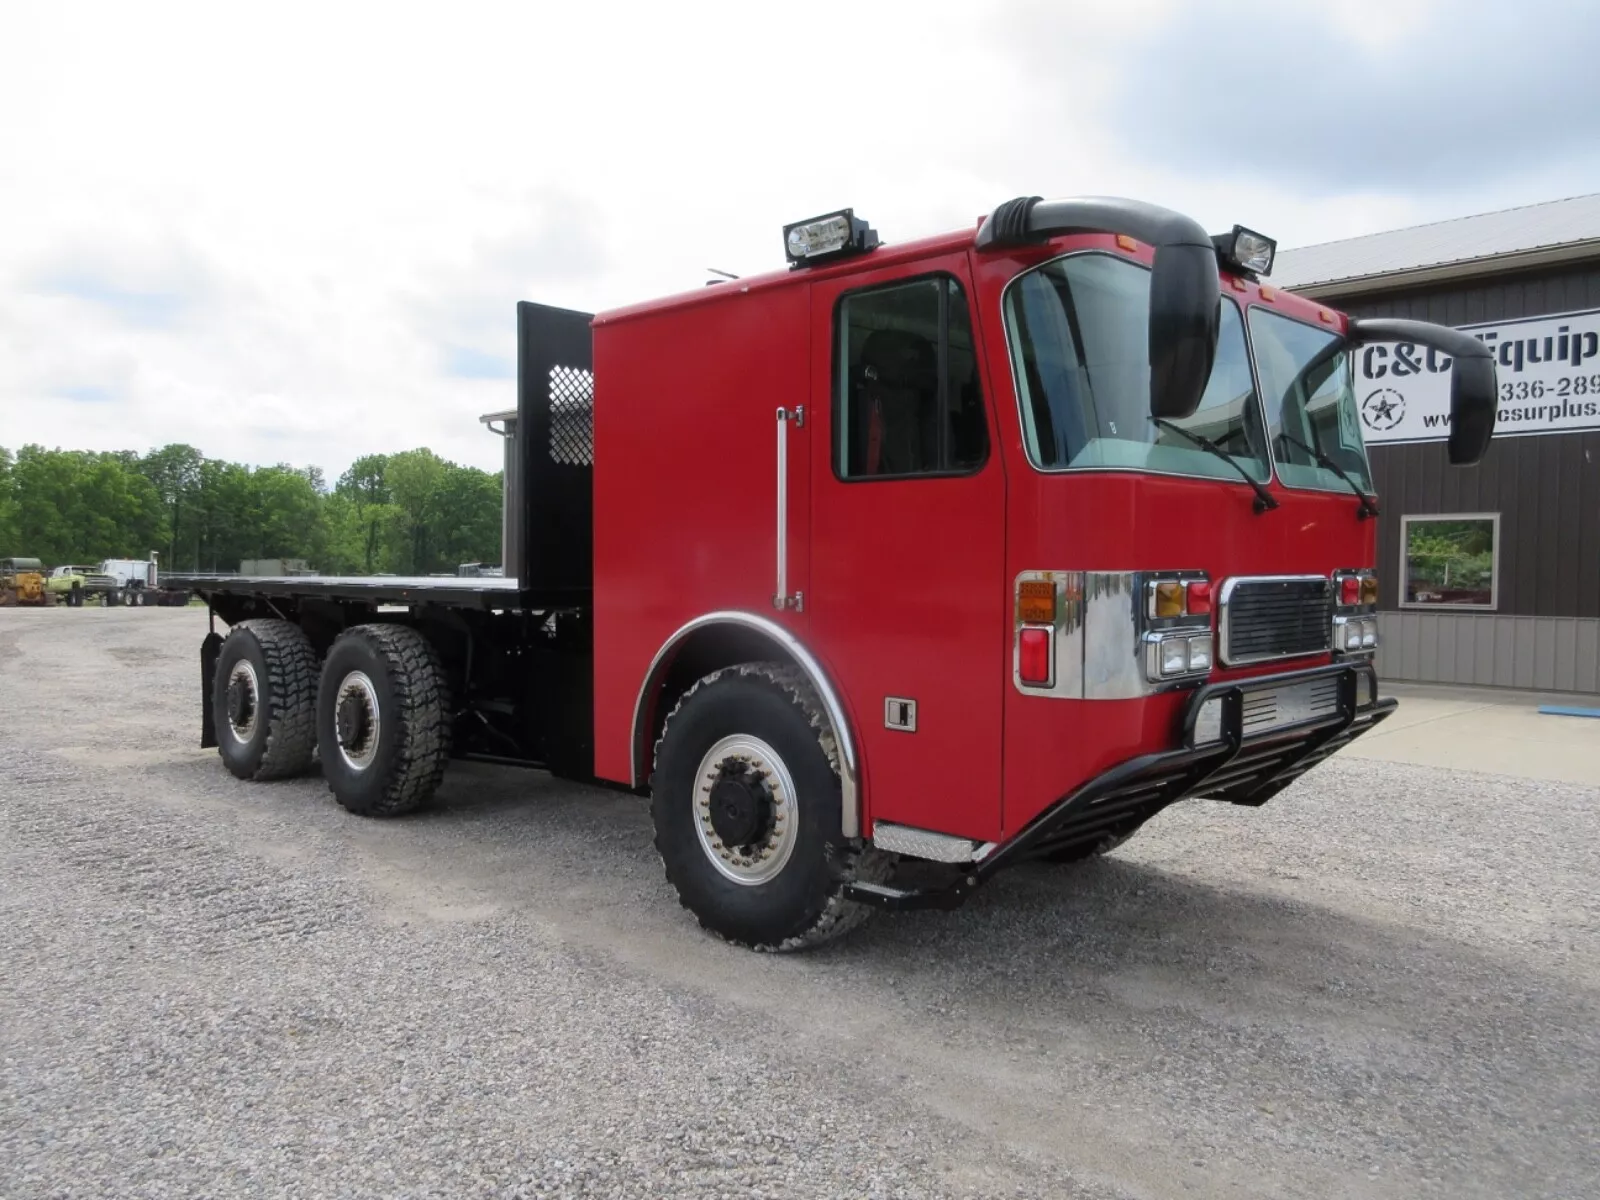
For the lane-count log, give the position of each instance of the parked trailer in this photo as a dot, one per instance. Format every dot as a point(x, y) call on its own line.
point(969, 551)
point(138, 583)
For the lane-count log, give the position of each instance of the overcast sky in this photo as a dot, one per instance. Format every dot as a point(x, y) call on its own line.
point(287, 232)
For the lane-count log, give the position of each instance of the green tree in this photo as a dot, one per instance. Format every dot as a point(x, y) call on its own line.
point(9, 534)
point(467, 517)
point(175, 472)
point(286, 514)
point(415, 478)
point(364, 509)
point(406, 513)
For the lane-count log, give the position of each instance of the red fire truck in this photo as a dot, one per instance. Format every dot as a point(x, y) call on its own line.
point(964, 552)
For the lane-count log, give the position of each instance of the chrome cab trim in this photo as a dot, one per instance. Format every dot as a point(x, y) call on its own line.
point(1225, 617)
point(849, 777)
point(1101, 631)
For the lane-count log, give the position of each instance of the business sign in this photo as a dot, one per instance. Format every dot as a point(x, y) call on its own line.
point(1549, 370)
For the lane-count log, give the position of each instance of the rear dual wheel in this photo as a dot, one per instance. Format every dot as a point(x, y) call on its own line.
point(383, 720)
point(377, 708)
point(264, 700)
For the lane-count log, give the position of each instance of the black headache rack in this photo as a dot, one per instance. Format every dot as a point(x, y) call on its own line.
point(1235, 767)
point(552, 495)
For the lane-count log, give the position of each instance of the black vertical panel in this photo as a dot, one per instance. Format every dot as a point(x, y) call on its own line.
point(555, 442)
point(1518, 495)
point(1587, 532)
point(1548, 526)
point(1546, 487)
point(1387, 470)
point(1568, 523)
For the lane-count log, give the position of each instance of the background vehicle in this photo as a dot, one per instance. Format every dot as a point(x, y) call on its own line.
point(21, 582)
point(968, 551)
point(72, 585)
point(137, 583)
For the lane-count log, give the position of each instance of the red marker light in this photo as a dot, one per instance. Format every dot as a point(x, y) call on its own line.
point(1199, 597)
point(1033, 656)
point(1350, 590)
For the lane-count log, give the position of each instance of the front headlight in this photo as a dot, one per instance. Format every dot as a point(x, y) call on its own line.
point(1174, 656)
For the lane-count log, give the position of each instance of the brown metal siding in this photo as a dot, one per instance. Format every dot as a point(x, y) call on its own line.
point(1546, 487)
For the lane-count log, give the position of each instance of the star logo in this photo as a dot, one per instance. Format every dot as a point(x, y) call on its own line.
point(1383, 410)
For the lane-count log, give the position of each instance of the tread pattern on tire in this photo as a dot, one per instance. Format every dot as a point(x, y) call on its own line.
point(419, 687)
point(291, 685)
point(851, 861)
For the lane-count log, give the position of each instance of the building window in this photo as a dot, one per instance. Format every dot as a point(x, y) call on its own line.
point(1450, 561)
point(907, 401)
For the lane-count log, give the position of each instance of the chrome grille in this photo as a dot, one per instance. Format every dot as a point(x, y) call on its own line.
point(1271, 618)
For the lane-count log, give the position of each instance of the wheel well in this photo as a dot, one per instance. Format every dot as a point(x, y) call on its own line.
point(726, 640)
point(703, 651)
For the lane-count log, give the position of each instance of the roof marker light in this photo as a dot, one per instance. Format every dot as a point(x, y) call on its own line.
point(829, 236)
point(1246, 250)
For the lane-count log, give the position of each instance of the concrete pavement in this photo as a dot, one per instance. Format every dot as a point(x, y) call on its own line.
point(1486, 729)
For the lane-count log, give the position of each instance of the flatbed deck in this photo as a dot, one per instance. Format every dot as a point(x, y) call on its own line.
point(456, 592)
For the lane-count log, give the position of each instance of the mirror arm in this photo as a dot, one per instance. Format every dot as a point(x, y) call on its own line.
point(1030, 219)
point(1440, 337)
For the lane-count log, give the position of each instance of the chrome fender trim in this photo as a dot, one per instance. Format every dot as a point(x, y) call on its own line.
point(850, 823)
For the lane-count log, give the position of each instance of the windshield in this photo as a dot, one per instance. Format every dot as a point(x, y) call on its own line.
point(1308, 410)
point(1079, 333)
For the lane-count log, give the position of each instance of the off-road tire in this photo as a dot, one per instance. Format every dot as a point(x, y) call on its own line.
point(413, 738)
point(284, 737)
point(803, 905)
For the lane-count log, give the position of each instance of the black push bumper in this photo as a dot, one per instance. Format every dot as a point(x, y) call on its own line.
point(1240, 757)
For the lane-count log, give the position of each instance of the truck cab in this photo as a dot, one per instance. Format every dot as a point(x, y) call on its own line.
point(1073, 491)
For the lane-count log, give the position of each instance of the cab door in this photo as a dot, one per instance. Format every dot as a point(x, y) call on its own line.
point(907, 602)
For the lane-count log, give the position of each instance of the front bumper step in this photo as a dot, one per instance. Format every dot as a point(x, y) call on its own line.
point(1230, 768)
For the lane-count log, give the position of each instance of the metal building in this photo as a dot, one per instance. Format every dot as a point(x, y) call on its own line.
point(1489, 574)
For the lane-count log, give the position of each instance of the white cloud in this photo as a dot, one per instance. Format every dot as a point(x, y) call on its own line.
point(299, 231)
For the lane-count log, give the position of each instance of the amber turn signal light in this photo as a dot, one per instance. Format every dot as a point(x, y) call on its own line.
point(1166, 599)
point(1036, 602)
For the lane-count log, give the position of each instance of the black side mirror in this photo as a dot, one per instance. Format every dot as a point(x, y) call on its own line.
point(1474, 396)
point(1474, 383)
point(1185, 315)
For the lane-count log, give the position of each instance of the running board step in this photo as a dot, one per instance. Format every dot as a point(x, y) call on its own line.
point(881, 895)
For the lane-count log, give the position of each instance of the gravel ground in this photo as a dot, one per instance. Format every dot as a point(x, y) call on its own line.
point(1382, 984)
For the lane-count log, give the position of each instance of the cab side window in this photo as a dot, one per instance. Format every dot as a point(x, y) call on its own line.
point(906, 400)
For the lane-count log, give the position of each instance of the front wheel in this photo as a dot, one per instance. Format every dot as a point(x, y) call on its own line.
point(746, 802)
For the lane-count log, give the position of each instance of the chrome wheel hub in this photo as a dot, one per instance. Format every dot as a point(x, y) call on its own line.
point(244, 700)
point(746, 813)
point(356, 726)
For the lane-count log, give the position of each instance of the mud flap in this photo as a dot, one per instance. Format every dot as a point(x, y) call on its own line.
point(210, 649)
